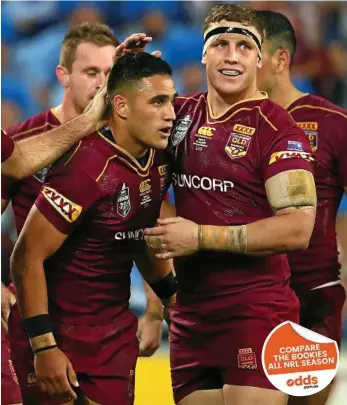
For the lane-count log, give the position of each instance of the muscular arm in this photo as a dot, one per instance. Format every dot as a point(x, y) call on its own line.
point(292, 196)
point(32, 154)
point(38, 240)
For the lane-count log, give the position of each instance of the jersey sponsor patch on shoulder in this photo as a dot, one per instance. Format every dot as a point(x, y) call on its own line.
point(287, 154)
point(66, 208)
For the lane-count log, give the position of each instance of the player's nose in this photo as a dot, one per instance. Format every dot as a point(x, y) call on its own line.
point(170, 114)
point(232, 54)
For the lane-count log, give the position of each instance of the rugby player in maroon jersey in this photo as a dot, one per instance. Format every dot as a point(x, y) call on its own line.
point(244, 198)
point(86, 58)
point(72, 262)
point(315, 275)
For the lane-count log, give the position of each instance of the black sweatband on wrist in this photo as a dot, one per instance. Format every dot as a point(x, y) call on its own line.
point(165, 287)
point(38, 325)
point(43, 349)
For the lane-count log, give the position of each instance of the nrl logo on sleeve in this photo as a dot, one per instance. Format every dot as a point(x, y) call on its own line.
point(123, 201)
point(311, 130)
point(180, 130)
point(163, 170)
point(66, 208)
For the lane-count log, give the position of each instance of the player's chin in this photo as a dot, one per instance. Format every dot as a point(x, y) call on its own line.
point(160, 142)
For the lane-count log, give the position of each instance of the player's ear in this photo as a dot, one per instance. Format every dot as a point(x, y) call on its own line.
point(63, 76)
point(120, 106)
point(283, 60)
point(259, 62)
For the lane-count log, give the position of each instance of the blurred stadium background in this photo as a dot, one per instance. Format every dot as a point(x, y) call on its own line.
point(31, 35)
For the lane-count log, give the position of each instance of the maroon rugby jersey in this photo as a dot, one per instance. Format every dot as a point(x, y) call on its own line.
point(7, 146)
point(325, 124)
point(103, 199)
point(24, 193)
point(219, 173)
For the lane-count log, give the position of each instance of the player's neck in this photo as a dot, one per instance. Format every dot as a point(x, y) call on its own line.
point(285, 93)
point(65, 111)
point(221, 103)
point(123, 139)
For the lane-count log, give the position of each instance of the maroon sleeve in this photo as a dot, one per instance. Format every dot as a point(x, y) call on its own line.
point(7, 146)
point(67, 196)
point(289, 150)
point(342, 155)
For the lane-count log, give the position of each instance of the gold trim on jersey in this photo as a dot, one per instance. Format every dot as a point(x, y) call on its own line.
point(34, 129)
point(136, 165)
point(263, 97)
point(73, 154)
point(191, 98)
point(106, 164)
point(292, 102)
point(318, 108)
point(244, 109)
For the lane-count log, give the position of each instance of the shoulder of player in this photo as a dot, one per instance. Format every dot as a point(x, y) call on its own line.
point(186, 101)
point(272, 117)
point(91, 155)
point(32, 126)
point(321, 110)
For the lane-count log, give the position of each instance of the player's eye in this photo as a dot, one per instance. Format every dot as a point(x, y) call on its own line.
point(158, 102)
point(221, 45)
point(91, 73)
point(244, 46)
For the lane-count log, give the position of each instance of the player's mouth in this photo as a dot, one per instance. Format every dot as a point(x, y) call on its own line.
point(166, 131)
point(231, 72)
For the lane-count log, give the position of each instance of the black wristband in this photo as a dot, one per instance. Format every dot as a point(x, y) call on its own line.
point(165, 287)
point(43, 349)
point(38, 325)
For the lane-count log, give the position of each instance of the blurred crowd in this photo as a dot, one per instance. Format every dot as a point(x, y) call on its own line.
point(32, 33)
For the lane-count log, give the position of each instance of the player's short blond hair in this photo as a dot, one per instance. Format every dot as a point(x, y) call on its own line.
point(95, 33)
point(233, 13)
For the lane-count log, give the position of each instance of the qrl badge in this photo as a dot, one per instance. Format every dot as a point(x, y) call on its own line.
point(180, 130)
point(246, 359)
point(123, 201)
point(239, 141)
point(311, 130)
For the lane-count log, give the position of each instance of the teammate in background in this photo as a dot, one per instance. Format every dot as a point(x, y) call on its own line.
point(90, 217)
point(246, 197)
point(86, 59)
point(315, 272)
point(23, 159)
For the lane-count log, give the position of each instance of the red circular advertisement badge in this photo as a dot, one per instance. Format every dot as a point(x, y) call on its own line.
point(298, 361)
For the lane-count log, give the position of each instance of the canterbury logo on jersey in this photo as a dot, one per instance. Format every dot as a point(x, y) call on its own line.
point(206, 131)
point(275, 157)
point(66, 208)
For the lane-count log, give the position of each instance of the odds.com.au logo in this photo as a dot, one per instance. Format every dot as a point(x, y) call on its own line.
point(298, 361)
point(306, 382)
